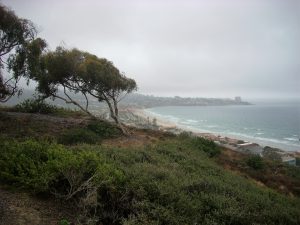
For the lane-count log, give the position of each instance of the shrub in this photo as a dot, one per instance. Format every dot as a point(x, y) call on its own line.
point(104, 129)
point(64, 222)
point(207, 146)
point(185, 135)
point(203, 144)
point(66, 112)
point(168, 183)
point(45, 167)
point(35, 106)
point(78, 135)
point(255, 162)
point(29, 164)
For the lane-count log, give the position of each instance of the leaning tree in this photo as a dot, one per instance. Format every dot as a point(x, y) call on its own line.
point(63, 73)
point(102, 80)
point(56, 73)
point(15, 34)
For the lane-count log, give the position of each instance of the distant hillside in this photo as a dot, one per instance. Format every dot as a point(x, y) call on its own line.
point(149, 101)
point(144, 101)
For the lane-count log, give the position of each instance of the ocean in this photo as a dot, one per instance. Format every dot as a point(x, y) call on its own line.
point(275, 124)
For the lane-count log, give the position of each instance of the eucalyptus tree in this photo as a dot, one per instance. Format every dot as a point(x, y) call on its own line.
point(15, 35)
point(102, 80)
point(56, 74)
point(63, 73)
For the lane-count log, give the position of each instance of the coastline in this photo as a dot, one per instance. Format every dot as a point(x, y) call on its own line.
point(233, 143)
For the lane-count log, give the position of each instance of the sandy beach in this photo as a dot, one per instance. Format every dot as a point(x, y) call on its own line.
point(148, 117)
point(149, 120)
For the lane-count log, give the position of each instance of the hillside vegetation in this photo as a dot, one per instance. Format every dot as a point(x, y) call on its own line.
point(149, 178)
point(67, 167)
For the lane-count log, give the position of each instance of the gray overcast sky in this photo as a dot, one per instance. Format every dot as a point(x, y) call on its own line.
point(216, 48)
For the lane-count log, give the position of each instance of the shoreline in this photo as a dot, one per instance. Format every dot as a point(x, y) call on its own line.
point(230, 142)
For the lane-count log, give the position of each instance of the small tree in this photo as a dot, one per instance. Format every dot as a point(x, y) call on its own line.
point(15, 35)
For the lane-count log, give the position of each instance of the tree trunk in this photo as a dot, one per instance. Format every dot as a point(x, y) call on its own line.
point(71, 101)
point(114, 114)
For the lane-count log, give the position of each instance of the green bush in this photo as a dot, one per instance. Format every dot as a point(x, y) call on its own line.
point(203, 144)
point(104, 129)
point(207, 146)
point(78, 135)
point(64, 222)
point(35, 106)
point(46, 167)
point(255, 162)
point(171, 182)
point(174, 183)
point(30, 164)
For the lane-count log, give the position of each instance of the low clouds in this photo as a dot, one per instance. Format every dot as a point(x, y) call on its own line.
point(204, 48)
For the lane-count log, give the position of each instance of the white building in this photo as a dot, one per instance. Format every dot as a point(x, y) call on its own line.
point(289, 160)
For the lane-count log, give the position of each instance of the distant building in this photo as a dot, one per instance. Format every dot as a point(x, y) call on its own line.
point(238, 99)
point(289, 160)
point(251, 148)
point(273, 154)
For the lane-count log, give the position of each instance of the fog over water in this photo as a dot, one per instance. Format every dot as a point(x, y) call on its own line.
point(203, 48)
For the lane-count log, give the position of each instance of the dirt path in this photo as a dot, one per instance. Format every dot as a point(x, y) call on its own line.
point(17, 208)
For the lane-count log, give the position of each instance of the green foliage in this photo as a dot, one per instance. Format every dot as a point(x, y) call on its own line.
point(64, 222)
point(174, 183)
point(29, 164)
point(202, 144)
point(65, 69)
point(293, 171)
point(45, 167)
point(104, 129)
point(15, 36)
point(78, 135)
point(255, 162)
point(171, 182)
point(35, 106)
point(209, 147)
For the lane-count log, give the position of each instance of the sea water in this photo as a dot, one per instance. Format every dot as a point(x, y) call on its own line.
point(275, 124)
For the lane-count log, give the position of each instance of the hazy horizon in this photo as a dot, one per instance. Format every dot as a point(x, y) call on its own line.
point(252, 100)
point(183, 48)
